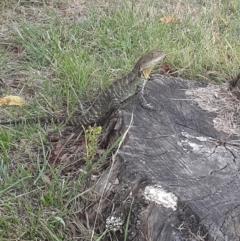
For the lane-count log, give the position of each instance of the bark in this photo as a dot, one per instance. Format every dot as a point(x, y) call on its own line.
point(175, 174)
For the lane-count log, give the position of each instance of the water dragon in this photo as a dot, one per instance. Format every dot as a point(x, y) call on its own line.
point(112, 97)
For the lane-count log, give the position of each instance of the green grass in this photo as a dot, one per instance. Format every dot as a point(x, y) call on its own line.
point(60, 64)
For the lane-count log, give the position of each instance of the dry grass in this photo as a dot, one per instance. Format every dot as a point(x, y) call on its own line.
point(220, 100)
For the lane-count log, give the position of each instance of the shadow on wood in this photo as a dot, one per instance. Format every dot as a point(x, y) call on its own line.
point(175, 175)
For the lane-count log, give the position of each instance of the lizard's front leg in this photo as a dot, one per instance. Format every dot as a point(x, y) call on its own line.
point(141, 99)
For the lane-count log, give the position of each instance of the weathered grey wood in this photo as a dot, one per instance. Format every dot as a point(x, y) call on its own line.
point(176, 150)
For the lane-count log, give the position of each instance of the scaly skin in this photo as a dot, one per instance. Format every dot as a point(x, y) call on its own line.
point(112, 97)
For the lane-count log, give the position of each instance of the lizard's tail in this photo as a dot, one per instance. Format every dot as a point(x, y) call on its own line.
point(41, 120)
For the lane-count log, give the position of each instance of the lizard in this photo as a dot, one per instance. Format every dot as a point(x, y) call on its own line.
point(112, 97)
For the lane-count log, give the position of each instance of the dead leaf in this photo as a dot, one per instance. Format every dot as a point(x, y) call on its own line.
point(58, 113)
point(46, 179)
point(165, 68)
point(12, 100)
point(55, 152)
point(63, 157)
point(31, 167)
point(170, 19)
point(195, 13)
point(211, 73)
point(224, 21)
point(53, 137)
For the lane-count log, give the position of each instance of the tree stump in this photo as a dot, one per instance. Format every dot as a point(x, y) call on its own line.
point(175, 176)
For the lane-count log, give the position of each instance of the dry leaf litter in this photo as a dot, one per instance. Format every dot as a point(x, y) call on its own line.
point(218, 99)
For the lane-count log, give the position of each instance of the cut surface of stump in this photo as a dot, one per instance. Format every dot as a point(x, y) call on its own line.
point(175, 175)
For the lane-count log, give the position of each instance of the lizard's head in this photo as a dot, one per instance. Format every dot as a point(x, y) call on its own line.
point(148, 61)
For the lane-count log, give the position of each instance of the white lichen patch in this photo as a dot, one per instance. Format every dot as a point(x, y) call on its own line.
point(195, 147)
point(188, 136)
point(193, 144)
point(158, 195)
point(114, 223)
